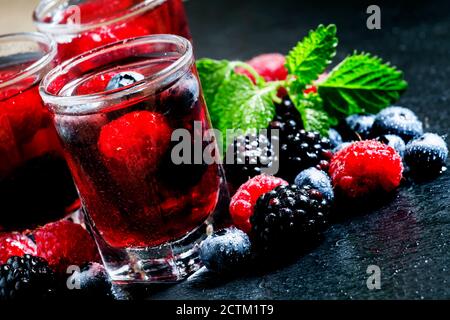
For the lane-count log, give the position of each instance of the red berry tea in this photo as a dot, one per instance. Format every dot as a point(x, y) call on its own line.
point(88, 24)
point(35, 182)
point(134, 126)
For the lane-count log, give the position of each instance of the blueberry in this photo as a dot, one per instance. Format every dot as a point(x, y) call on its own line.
point(123, 79)
point(335, 137)
point(341, 146)
point(226, 250)
point(317, 179)
point(360, 125)
point(393, 141)
point(426, 154)
point(182, 96)
point(91, 281)
point(399, 121)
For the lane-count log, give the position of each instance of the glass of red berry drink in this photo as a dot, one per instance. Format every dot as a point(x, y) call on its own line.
point(35, 182)
point(81, 25)
point(121, 112)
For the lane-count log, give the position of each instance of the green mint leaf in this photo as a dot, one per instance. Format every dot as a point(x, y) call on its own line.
point(310, 57)
point(361, 83)
point(213, 73)
point(239, 104)
point(314, 117)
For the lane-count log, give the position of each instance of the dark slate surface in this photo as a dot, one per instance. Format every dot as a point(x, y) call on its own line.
point(408, 237)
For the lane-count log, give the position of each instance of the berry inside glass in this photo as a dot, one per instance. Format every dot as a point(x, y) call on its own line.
point(35, 183)
point(116, 110)
point(79, 26)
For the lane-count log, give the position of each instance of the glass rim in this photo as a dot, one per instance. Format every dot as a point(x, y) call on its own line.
point(68, 29)
point(60, 101)
point(39, 64)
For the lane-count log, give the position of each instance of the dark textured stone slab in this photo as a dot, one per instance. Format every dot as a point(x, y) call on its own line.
point(408, 237)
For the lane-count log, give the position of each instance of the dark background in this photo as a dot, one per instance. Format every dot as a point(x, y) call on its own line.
point(408, 237)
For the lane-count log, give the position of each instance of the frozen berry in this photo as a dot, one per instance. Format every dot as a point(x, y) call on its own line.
point(341, 146)
point(15, 244)
point(124, 79)
point(335, 137)
point(244, 200)
point(26, 277)
point(303, 150)
point(134, 143)
point(426, 154)
point(289, 216)
point(226, 250)
point(64, 243)
point(92, 281)
point(252, 155)
point(399, 121)
point(181, 98)
point(365, 167)
point(270, 66)
point(393, 141)
point(359, 126)
point(317, 179)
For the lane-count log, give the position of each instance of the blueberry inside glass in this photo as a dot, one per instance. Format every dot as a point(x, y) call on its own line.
point(120, 112)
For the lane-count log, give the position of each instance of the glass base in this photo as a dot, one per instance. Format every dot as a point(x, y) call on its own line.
point(170, 262)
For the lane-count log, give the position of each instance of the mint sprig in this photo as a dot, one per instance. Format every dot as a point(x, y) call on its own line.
point(314, 117)
point(310, 57)
point(361, 83)
point(243, 105)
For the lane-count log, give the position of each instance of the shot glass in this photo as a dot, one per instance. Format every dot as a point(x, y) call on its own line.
point(135, 129)
point(35, 182)
point(79, 26)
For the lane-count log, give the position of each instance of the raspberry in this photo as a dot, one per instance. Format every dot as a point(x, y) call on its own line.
point(97, 83)
point(289, 215)
point(243, 202)
point(26, 114)
point(270, 66)
point(365, 167)
point(65, 243)
point(15, 244)
point(134, 144)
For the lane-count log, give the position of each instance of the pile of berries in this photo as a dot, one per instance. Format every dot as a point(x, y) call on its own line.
point(363, 156)
point(33, 264)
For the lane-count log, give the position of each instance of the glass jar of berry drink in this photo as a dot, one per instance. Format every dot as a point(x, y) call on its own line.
point(35, 183)
point(81, 25)
point(124, 113)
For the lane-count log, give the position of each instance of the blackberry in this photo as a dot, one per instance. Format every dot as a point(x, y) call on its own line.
point(287, 118)
point(303, 150)
point(26, 277)
point(252, 155)
point(289, 215)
